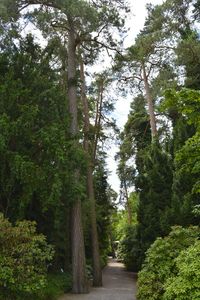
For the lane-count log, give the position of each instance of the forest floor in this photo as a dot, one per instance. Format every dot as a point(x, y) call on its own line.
point(118, 284)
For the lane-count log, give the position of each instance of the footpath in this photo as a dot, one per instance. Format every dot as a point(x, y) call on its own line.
point(118, 284)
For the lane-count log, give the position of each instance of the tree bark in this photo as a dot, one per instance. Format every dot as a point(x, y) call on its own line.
point(150, 103)
point(80, 283)
point(97, 273)
point(98, 118)
point(127, 204)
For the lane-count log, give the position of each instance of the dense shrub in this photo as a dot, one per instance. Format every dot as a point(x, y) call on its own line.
point(128, 249)
point(24, 255)
point(185, 285)
point(160, 263)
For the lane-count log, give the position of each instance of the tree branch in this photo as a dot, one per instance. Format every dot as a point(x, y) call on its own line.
point(105, 46)
point(49, 3)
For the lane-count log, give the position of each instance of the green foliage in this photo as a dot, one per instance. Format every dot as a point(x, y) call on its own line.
point(186, 103)
point(56, 285)
point(33, 134)
point(154, 184)
point(188, 55)
point(37, 154)
point(136, 136)
point(185, 285)
point(129, 248)
point(196, 210)
point(23, 259)
point(124, 234)
point(188, 161)
point(105, 197)
point(160, 262)
point(118, 223)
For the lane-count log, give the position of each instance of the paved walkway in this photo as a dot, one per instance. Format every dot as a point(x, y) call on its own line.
point(117, 285)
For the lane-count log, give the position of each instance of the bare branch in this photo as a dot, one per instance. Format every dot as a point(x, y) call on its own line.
point(106, 46)
point(57, 25)
point(100, 31)
point(23, 7)
point(131, 77)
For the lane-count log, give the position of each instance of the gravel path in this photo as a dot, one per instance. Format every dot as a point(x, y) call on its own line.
point(118, 284)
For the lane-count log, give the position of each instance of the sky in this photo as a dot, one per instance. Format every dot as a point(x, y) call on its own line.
point(135, 22)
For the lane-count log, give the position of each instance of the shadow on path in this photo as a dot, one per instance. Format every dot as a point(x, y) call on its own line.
point(118, 284)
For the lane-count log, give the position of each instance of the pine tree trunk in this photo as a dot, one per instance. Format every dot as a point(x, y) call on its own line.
point(97, 273)
point(128, 204)
point(80, 283)
point(150, 104)
point(98, 118)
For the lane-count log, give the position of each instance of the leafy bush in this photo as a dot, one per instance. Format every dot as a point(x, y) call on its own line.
point(23, 259)
point(160, 263)
point(185, 285)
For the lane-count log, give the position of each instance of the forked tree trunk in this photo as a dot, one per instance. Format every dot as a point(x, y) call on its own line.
point(80, 283)
point(97, 273)
point(150, 104)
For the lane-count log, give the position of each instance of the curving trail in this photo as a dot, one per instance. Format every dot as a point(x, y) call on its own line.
point(118, 284)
